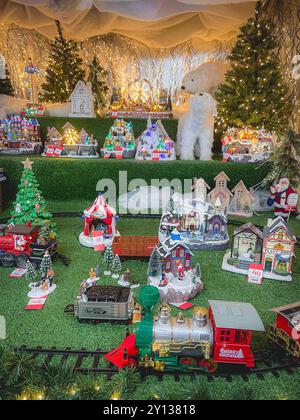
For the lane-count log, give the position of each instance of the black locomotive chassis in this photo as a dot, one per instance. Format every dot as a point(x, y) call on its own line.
point(272, 361)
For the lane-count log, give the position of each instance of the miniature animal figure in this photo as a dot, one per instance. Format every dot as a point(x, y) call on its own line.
point(196, 128)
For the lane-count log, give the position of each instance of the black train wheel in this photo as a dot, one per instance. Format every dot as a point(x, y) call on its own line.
point(21, 261)
point(8, 260)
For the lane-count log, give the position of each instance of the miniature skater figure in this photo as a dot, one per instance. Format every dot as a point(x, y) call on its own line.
point(284, 198)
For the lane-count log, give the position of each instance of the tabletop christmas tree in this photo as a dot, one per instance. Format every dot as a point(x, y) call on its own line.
point(108, 260)
point(117, 267)
point(46, 264)
point(31, 273)
point(254, 93)
point(64, 70)
point(6, 87)
point(97, 77)
point(155, 266)
point(30, 206)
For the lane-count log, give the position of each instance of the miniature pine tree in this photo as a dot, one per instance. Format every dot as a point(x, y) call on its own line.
point(29, 206)
point(171, 205)
point(108, 259)
point(30, 272)
point(46, 264)
point(98, 77)
point(64, 70)
point(198, 271)
point(6, 87)
point(155, 266)
point(254, 93)
point(117, 266)
point(286, 161)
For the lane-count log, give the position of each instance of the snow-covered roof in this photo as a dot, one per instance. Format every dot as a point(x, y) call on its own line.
point(166, 247)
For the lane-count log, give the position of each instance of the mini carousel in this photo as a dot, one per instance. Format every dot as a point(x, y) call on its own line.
point(155, 144)
point(19, 136)
point(100, 225)
point(247, 146)
point(120, 141)
point(71, 144)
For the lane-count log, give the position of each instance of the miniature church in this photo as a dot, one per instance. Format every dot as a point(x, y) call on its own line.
point(82, 101)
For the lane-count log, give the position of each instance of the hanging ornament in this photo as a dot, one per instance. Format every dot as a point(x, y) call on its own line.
point(18, 208)
point(38, 208)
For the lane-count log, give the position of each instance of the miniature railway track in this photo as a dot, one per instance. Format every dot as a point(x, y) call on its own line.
point(86, 362)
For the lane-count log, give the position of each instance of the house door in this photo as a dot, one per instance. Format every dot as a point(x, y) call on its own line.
point(269, 265)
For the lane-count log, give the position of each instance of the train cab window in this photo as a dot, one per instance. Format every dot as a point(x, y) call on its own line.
point(225, 336)
point(241, 337)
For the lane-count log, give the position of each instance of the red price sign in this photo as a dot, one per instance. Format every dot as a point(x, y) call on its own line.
point(255, 275)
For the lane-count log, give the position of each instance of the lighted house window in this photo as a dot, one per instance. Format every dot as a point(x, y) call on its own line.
point(187, 264)
point(280, 236)
point(182, 253)
point(222, 184)
point(225, 336)
point(168, 265)
point(174, 254)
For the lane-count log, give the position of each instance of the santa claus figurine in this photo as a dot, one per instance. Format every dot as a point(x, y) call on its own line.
point(284, 199)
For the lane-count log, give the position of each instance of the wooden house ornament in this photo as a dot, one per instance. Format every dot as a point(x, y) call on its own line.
point(82, 101)
point(221, 191)
point(242, 201)
point(200, 189)
point(54, 135)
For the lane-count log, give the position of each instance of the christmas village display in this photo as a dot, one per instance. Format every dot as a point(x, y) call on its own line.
point(71, 144)
point(155, 144)
point(19, 136)
point(140, 100)
point(100, 225)
point(46, 285)
point(272, 248)
point(120, 141)
point(171, 271)
point(247, 146)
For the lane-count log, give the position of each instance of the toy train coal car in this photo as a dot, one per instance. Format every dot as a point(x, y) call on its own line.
point(220, 336)
point(105, 304)
point(19, 244)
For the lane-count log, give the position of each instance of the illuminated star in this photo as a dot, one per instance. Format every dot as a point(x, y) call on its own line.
point(28, 164)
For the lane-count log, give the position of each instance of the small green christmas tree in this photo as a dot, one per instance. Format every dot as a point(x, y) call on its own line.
point(29, 206)
point(46, 264)
point(31, 273)
point(98, 78)
point(286, 160)
point(198, 271)
point(108, 260)
point(117, 267)
point(254, 93)
point(64, 70)
point(155, 266)
point(6, 87)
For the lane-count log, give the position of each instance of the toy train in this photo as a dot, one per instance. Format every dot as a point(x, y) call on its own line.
point(134, 246)
point(104, 304)
point(209, 340)
point(19, 244)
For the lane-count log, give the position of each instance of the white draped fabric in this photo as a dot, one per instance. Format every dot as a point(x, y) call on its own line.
point(156, 23)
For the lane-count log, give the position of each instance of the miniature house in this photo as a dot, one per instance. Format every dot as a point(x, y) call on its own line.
point(247, 245)
point(242, 201)
point(174, 253)
point(120, 141)
point(54, 136)
point(100, 217)
point(200, 189)
point(82, 101)
point(273, 248)
point(278, 248)
point(221, 191)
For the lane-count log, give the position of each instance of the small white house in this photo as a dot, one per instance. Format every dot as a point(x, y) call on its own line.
point(82, 101)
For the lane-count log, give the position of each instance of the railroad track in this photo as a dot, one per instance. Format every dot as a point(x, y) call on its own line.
point(86, 362)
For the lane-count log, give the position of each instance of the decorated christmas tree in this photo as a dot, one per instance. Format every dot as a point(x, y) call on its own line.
point(155, 267)
point(31, 273)
point(46, 264)
point(108, 259)
point(117, 266)
point(30, 206)
point(254, 93)
point(6, 87)
point(64, 70)
point(286, 161)
point(98, 77)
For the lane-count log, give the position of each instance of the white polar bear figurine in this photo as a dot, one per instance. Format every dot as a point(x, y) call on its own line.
point(196, 128)
point(206, 78)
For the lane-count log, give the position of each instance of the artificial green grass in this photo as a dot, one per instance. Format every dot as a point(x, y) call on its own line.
point(76, 179)
point(51, 327)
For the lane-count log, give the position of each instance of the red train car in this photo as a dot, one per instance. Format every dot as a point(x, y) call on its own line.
point(233, 325)
point(286, 330)
point(134, 246)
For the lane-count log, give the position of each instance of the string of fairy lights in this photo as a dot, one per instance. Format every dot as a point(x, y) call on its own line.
point(126, 60)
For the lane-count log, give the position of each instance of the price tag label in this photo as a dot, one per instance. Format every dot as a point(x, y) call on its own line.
point(255, 275)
